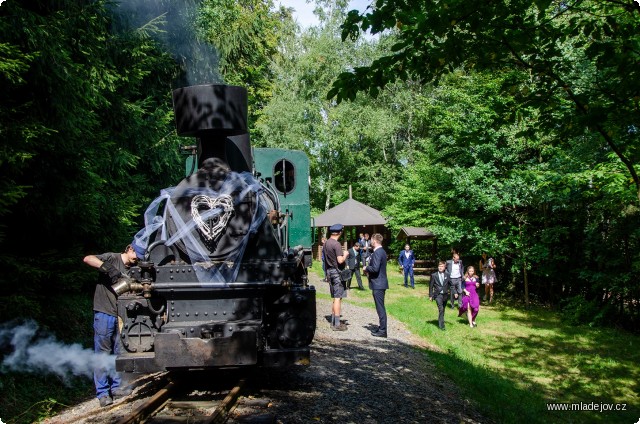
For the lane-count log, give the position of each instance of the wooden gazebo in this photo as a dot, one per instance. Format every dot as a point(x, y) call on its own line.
point(355, 216)
point(417, 233)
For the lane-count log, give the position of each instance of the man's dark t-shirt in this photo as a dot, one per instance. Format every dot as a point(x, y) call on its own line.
point(332, 249)
point(104, 298)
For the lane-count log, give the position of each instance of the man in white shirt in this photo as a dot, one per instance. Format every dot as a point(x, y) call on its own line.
point(456, 271)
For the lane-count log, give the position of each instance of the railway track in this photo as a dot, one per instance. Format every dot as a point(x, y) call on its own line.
point(172, 404)
point(198, 400)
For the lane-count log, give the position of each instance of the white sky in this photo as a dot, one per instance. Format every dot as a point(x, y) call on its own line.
point(303, 13)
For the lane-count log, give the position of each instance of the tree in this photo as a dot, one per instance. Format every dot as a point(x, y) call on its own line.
point(486, 181)
point(17, 127)
point(246, 35)
point(356, 144)
point(581, 55)
point(85, 143)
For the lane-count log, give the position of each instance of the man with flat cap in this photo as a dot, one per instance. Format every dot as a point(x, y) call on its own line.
point(335, 258)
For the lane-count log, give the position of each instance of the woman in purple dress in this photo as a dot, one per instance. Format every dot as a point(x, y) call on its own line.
point(470, 299)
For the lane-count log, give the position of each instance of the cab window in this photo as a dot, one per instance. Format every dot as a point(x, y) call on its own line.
point(284, 176)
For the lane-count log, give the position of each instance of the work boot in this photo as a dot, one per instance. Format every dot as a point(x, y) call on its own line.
point(340, 327)
point(121, 392)
point(105, 401)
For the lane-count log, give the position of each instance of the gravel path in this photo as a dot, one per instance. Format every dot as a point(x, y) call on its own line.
point(353, 378)
point(357, 378)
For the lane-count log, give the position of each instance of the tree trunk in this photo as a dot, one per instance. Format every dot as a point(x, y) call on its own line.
point(526, 285)
point(327, 202)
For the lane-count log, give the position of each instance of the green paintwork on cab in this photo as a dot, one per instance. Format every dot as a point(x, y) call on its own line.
point(296, 201)
point(190, 165)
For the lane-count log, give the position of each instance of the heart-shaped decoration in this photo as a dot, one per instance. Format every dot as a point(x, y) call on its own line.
point(216, 213)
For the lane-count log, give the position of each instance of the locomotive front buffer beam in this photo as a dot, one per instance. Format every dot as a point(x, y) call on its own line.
point(268, 327)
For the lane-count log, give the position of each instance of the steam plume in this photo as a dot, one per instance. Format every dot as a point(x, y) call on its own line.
point(32, 353)
point(175, 21)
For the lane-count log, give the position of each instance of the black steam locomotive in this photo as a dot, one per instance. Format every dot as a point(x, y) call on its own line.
point(223, 282)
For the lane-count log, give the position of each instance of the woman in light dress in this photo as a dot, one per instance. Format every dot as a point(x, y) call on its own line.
point(488, 266)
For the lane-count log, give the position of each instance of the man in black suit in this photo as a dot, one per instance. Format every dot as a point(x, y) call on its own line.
point(353, 262)
point(438, 289)
point(365, 249)
point(378, 282)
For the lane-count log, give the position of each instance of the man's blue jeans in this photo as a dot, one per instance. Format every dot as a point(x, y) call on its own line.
point(105, 339)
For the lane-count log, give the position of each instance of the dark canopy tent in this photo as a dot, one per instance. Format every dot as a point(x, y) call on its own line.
point(355, 216)
point(415, 233)
point(349, 213)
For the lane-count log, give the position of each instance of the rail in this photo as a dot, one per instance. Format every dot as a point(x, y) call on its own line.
point(169, 405)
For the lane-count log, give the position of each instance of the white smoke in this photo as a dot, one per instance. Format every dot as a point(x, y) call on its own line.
point(175, 20)
point(30, 352)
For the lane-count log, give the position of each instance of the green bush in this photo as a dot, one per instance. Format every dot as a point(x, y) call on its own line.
point(577, 311)
point(29, 398)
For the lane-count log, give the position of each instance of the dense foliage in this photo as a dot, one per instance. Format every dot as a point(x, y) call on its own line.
point(86, 129)
point(582, 57)
point(353, 144)
point(529, 141)
point(85, 125)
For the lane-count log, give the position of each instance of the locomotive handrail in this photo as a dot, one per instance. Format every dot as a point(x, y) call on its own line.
point(173, 248)
point(272, 191)
point(214, 285)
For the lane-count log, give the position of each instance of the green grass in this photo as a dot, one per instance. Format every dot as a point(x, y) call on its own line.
point(518, 360)
point(29, 398)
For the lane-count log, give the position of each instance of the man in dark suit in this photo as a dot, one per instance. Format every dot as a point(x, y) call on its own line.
point(456, 273)
point(365, 249)
point(353, 262)
point(407, 260)
point(438, 289)
point(378, 282)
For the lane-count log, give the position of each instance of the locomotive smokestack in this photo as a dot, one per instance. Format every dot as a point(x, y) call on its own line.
point(217, 116)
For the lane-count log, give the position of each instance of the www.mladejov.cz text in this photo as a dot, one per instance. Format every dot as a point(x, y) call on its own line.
point(587, 406)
